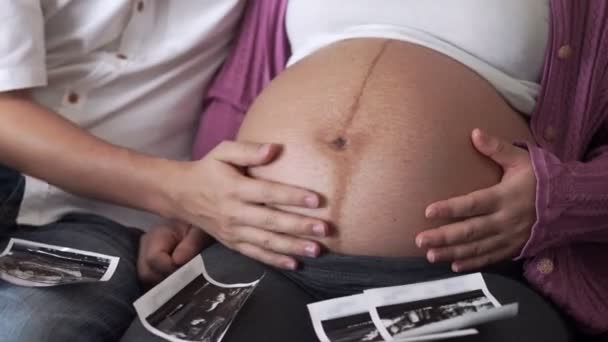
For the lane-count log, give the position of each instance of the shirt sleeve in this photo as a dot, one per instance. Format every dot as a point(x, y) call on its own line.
point(571, 199)
point(22, 48)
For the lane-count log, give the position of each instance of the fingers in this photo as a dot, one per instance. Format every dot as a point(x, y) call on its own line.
point(179, 228)
point(147, 276)
point(193, 242)
point(280, 222)
point(473, 229)
point(476, 203)
point(260, 191)
point(245, 153)
point(241, 211)
point(466, 251)
point(476, 263)
point(499, 150)
point(154, 262)
point(155, 270)
point(161, 263)
point(267, 257)
point(277, 243)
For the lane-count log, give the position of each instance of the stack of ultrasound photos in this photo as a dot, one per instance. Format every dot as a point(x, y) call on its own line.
point(427, 311)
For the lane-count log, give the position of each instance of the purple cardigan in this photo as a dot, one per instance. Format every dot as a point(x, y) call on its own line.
point(566, 257)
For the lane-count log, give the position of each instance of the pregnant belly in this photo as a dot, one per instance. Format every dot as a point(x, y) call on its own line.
point(380, 129)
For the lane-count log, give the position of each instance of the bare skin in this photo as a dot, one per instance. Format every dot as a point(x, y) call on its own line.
point(381, 129)
point(213, 193)
point(493, 223)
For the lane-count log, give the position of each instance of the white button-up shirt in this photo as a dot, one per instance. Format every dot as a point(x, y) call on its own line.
point(130, 72)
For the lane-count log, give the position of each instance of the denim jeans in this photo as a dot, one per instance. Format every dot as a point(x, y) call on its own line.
point(11, 192)
point(82, 312)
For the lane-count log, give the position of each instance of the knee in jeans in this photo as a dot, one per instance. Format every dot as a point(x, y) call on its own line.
point(62, 314)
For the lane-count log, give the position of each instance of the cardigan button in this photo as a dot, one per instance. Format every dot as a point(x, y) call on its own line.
point(545, 266)
point(564, 52)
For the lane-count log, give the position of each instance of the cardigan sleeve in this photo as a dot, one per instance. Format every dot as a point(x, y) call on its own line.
point(571, 199)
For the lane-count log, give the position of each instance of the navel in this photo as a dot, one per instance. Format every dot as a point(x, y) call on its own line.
point(339, 143)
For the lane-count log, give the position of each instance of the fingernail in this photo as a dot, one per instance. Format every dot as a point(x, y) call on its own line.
point(481, 135)
point(312, 251)
point(455, 268)
point(431, 256)
point(312, 201)
point(419, 241)
point(319, 229)
point(430, 212)
point(291, 264)
point(264, 150)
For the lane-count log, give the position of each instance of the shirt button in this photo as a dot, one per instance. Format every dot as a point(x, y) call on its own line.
point(73, 98)
point(140, 6)
point(564, 52)
point(550, 134)
point(121, 56)
point(545, 266)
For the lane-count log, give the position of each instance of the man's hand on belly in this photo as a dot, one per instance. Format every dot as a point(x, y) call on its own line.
point(496, 221)
point(217, 195)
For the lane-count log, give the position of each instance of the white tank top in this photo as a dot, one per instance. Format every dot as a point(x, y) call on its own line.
point(502, 40)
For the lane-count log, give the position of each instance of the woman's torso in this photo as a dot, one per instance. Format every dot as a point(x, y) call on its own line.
point(377, 111)
point(380, 128)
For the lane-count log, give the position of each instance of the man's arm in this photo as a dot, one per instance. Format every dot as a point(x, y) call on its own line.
point(39, 142)
point(212, 193)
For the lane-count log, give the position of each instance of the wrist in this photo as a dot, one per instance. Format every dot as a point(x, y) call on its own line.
point(162, 191)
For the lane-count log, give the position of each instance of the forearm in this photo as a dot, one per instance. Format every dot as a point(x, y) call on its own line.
point(571, 201)
point(42, 144)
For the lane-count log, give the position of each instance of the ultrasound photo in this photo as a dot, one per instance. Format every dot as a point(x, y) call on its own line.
point(344, 319)
point(398, 318)
point(355, 328)
point(199, 312)
point(190, 306)
point(29, 263)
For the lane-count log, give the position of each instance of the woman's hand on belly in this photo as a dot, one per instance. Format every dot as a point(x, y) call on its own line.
point(238, 210)
point(497, 220)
